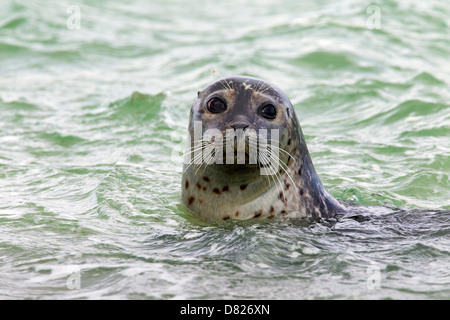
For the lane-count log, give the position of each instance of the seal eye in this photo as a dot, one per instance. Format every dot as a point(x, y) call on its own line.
point(269, 111)
point(216, 105)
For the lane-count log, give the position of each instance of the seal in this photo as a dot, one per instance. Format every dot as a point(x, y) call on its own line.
point(216, 189)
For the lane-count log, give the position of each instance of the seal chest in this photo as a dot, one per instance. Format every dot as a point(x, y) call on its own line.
point(247, 156)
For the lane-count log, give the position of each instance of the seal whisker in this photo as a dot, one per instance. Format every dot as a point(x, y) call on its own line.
point(196, 157)
point(194, 160)
point(258, 86)
point(206, 144)
point(270, 179)
point(192, 150)
point(266, 159)
point(223, 81)
point(200, 147)
point(201, 165)
point(286, 166)
point(280, 149)
point(276, 183)
point(264, 87)
point(261, 86)
point(225, 84)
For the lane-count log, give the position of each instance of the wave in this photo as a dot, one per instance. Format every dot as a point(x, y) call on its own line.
point(61, 140)
point(427, 78)
point(138, 106)
point(17, 105)
point(326, 60)
point(404, 110)
point(13, 23)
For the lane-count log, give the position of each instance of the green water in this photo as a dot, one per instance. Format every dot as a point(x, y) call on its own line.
point(92, 119)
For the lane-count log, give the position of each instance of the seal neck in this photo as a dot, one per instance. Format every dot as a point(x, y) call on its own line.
point(314, 198)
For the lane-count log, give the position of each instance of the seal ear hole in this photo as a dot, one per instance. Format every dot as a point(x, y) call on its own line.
point(216, 105)
point(268, 111)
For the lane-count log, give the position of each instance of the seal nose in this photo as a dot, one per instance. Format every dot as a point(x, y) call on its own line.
point(240, 125)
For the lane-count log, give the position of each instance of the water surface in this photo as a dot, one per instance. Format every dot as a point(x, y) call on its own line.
point(92, 120)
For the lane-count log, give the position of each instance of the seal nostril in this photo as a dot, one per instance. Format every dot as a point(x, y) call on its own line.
point(242, 126)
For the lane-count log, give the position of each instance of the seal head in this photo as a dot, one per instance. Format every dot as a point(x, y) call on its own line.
point(278, 179)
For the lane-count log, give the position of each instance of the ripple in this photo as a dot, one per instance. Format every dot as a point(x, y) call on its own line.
point(88, 182)
point(61, 140)
point(326, 60)
point(409, 108)
point(428, 79)
point(137, 107)
point(12, 23)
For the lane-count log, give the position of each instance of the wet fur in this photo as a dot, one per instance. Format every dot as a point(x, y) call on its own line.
point(239, 191)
